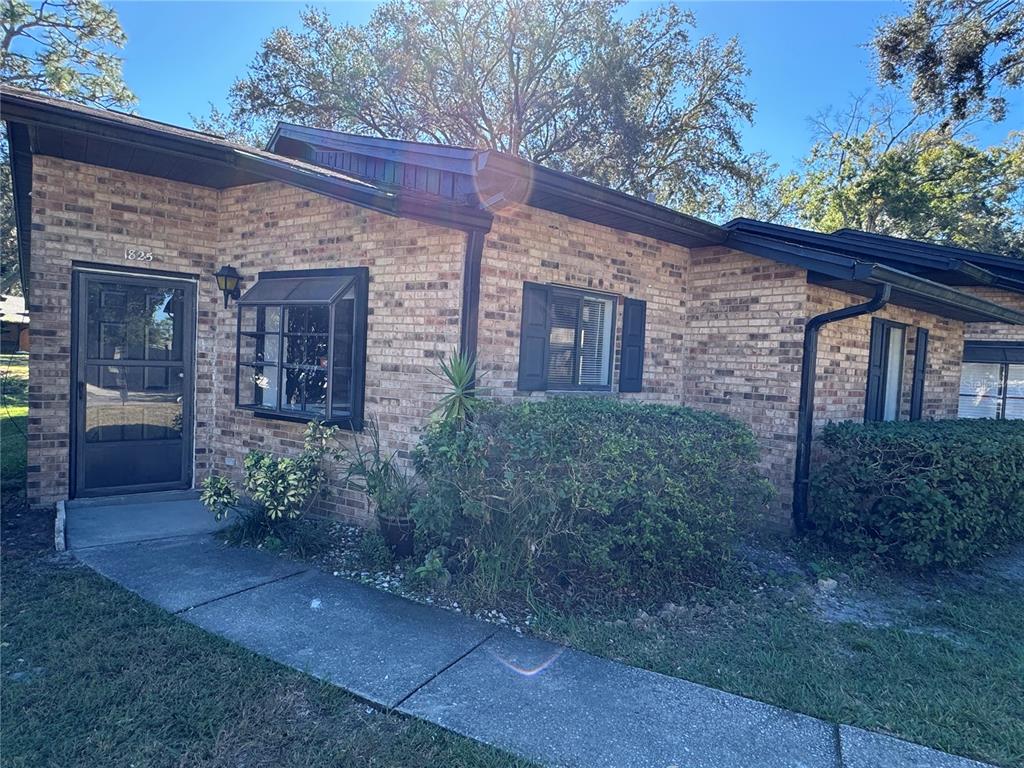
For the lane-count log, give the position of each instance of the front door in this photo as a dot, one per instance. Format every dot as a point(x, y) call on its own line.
point(133, 369)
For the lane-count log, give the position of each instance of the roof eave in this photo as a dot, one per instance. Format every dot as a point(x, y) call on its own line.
point(21, 189)
point(28, 111)
point(538, 180)
point(986, 310)
point(832, 267)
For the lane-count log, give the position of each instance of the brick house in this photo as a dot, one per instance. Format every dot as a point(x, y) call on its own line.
point(362, 261)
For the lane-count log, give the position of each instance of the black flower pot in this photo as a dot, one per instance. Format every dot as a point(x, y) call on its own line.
point(398, 534)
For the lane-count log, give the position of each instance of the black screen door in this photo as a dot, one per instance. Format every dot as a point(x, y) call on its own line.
point(132, 392)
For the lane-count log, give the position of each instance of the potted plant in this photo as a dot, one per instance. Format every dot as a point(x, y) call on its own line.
point(394, 513)
point(390, 490)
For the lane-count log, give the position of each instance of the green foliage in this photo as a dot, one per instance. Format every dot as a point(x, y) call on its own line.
point(374, 553)
point(277, 490)
point(219, 495)
point(876, 170)
point(66, 49)
point(389, 488)
point(281, 486)
point(640, 105)
point(958, 56)
point(433, 573)
point(459, 373)
point(585, 496)
point(923, 494)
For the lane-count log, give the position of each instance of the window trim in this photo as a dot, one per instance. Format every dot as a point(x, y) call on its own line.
point(360, 286)
point(885, 327)
point(920, 373)
point(580, 294)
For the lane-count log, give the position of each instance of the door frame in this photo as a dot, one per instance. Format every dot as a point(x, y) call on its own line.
point(79, 313)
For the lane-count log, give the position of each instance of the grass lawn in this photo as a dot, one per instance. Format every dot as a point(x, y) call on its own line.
point(94, 676)
point(13, 418)
point(939, 662)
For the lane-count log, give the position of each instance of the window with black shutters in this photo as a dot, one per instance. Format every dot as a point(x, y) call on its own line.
point(885, 371)
point(567, 340)
point(301, 346)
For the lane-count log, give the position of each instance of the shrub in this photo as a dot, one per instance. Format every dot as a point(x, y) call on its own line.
point(923, 494)
point(278, 490)
point(373, 552)
point(584, 496)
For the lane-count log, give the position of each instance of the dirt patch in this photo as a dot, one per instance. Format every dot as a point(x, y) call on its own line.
point(23, 531)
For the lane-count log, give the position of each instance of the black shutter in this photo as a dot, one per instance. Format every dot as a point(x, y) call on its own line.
point(631, 362)
point(876, 372)
point(533, 338)
point(920, 361)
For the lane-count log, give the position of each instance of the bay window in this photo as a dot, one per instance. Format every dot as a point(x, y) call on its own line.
point(301, 346)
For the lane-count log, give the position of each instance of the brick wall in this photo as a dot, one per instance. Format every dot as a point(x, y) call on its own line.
point(744, 323)
point(529, 244)
point(414, 298)
point(91, 214)
point(724, 328)
point(843, 351)
point(996, 331)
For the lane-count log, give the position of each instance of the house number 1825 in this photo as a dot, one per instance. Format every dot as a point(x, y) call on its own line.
point(137, 254)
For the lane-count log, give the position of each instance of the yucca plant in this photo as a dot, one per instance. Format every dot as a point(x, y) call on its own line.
point(460, 374)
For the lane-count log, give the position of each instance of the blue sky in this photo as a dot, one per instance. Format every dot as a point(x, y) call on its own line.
point(803, 56)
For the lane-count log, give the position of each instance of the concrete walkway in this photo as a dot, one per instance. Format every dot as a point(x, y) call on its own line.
point(553, 705)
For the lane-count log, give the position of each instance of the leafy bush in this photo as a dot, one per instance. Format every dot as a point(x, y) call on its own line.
point(373, 552)
point(923, 494)
point(219, 496)
point(584, 496)
point(278, 489)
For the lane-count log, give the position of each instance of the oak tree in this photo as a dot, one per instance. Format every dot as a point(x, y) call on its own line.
point(640, 105)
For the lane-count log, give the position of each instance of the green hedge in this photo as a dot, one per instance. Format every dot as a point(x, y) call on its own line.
point(925, 493)
point(585, 496)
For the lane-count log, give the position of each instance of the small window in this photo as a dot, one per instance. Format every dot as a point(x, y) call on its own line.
point(991, 391)
point(301, 346)
point(566, 340)
point(885, 371)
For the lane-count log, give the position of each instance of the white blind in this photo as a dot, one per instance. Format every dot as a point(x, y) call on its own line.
point(565, 311)
point(979, 390)
point(595, 341)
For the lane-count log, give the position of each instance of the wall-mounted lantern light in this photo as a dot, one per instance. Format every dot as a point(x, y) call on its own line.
point(228, 280)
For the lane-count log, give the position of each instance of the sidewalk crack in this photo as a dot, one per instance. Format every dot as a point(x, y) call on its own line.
point(240, 591)
point(840, 763)
point(441, 671)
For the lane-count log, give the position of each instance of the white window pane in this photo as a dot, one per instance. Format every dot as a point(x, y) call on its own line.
point(562, 340)
point(595, 342)
point(980, 379)
point(1015, 392)
point(1015, 381)
point(1015, 408)
point(891, 409)
point(975, 407)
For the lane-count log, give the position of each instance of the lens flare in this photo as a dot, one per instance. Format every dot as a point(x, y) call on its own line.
point(527, 671)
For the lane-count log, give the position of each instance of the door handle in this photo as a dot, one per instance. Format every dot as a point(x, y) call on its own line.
point(81, 390)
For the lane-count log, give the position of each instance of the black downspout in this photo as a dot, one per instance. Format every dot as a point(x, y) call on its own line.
point(470, 316)
point(808, 377)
